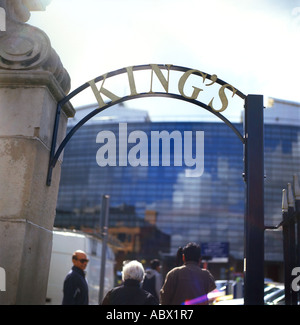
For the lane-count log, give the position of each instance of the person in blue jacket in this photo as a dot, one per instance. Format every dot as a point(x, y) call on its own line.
point(75, 288)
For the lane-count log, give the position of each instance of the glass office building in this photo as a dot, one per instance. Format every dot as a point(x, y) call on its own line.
point(208, 208)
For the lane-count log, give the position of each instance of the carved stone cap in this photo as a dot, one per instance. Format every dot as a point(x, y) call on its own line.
point(24, 47)
point(36, 78)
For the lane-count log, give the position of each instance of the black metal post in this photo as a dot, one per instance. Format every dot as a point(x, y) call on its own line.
point(292, 240)
point(254, 210)
point(297, 219)
point(286, 249)
point(297, 209)
point(104, 222)
point(53, 143)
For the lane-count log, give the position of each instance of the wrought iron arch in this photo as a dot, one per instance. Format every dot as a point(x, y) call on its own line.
point(54, 155)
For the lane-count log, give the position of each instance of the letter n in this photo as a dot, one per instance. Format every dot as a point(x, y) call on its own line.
point(164, 82)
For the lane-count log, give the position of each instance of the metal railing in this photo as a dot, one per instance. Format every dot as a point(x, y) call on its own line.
point(290, 225)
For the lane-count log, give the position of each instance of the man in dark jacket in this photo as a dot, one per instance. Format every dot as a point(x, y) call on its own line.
point(130, 292)
point(153, 279)
point(188, 284)
point(75, 286)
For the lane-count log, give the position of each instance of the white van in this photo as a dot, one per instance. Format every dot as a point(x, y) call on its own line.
point(65, 242)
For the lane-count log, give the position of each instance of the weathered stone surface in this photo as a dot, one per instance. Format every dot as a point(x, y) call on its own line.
point(32, 81)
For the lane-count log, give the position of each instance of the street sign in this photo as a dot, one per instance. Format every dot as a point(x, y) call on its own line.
point(215, 252)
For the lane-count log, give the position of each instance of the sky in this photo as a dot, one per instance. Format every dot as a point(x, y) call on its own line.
point(253, 45)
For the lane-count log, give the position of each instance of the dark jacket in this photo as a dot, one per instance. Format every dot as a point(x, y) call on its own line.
point(75, 290)
point(187, 283)
point(153, 282)
point(129, 293)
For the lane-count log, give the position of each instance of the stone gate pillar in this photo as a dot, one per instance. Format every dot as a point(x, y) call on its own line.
point(32, 80)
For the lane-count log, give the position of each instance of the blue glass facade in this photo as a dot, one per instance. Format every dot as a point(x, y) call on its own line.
point(208, 208)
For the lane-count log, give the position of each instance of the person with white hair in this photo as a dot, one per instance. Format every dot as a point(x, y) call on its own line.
point(130, 292)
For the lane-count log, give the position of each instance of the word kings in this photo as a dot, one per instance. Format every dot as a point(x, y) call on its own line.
point(164, 80)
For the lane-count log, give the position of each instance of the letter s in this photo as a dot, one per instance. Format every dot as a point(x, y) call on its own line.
point(223, 98)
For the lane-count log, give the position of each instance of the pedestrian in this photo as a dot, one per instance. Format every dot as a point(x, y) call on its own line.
point(130, 292)
point(187, 284)
point(75, 288)
point(179, 261)
point(153, 279)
